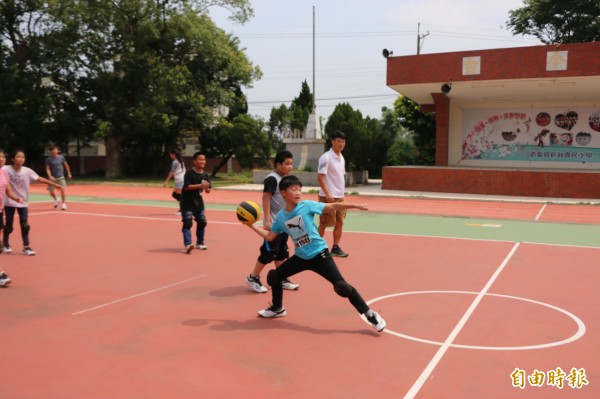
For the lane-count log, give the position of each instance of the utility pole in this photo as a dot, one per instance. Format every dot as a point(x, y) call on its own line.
point(420, 38)
point(314, 108)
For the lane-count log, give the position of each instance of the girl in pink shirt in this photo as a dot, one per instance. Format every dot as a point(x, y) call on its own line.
point(20, 177)
point(4, 189)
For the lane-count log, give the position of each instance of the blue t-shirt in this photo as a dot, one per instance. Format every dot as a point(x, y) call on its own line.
point(300, 225)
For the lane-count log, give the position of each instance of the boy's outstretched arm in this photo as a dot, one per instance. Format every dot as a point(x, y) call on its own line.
point(267, 235)
point(340, 206)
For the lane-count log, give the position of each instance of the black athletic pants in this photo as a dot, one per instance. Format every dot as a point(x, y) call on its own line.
point(323, 265)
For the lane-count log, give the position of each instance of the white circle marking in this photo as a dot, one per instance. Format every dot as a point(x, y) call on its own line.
point(580, 325)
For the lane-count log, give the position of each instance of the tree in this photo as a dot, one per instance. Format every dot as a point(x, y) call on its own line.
point(244, 137)
point(556, 22)
point(402, 149)
point(157, 72)
point(422, 127)
point(367, 141)
point(292, 121)
point(27, 32)
point(140, 74)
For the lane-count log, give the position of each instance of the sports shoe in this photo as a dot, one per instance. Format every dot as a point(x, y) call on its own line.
point(28, 251)
point(189, 248)
point(272, 312)
point(6, 250)
point(255, 284)
point(55, 203)
point(288, 285)
point(376, 321)
point(64, 207)
point(4, 280)
point(337, 251)
point(201, 246)
point(178, 213)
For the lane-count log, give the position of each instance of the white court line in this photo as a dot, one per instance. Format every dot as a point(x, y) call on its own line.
point(539, 214)
point(137, 295)
point(444, 347)
point(108, 215)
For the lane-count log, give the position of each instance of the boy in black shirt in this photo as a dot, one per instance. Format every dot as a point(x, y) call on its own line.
point(192, 205)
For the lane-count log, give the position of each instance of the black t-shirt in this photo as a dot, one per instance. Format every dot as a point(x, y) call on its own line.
point(191, 200)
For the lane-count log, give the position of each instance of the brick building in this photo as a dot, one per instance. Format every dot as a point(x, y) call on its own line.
point(518, 121)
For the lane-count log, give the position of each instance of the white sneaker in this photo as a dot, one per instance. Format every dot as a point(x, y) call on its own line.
point(288, 285)
point(201, 246)
point(189, 248)
point(28, 251)
point(56, 203)
point(376, 321)
point(271, 312)
point(4, 280)
point(255, 284)
point(64, 207)
point(178, 213)
point(6, 250)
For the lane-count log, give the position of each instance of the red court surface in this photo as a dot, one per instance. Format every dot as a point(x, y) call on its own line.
point(110, 307)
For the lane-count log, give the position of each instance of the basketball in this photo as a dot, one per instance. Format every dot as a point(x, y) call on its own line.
point(248, 212)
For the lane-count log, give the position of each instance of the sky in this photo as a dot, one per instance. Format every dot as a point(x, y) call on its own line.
point(350, 36)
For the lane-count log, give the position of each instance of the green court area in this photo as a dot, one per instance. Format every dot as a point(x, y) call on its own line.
point(572, 234)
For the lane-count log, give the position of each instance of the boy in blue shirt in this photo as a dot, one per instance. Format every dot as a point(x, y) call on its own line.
point(310, 250)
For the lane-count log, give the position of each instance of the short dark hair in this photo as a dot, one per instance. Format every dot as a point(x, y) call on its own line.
point(282, 156)
point(53, 147)
point(196, 155)
point(338, 134)
point(288, 181)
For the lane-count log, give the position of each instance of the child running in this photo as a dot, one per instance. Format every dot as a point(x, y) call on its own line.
point(20, 178)
point(4, 190)
point(311, 251)
point(272, 203)
point(195, 181)
point(177, 172)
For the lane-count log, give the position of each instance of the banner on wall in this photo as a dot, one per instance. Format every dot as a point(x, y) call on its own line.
point(550, 135)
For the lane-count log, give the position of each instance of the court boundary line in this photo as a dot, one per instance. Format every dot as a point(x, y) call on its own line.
point(137, 295)
point(539, 214)
point(459, 326)
point(108, 215)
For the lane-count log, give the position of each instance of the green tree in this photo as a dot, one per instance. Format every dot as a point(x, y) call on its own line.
point(421, 126)
point(555, 22)
point(26, 106)
point(141, 74)
point(162, 73)
point(366, 141)
point(402, 149)
point(244, 137)
point(291, 121)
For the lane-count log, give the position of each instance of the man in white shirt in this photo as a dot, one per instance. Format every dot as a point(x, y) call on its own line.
point(331, 176)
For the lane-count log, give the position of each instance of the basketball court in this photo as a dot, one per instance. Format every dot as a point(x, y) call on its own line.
point(482, 300)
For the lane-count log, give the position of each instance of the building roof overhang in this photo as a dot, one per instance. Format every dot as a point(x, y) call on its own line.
point(514, 75)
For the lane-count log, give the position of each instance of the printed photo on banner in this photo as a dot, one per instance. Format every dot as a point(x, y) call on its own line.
point(550, 134)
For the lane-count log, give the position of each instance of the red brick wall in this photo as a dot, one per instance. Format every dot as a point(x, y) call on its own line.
point(493, 182)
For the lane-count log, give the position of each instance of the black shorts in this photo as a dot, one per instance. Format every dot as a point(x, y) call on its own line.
point(275, 250)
